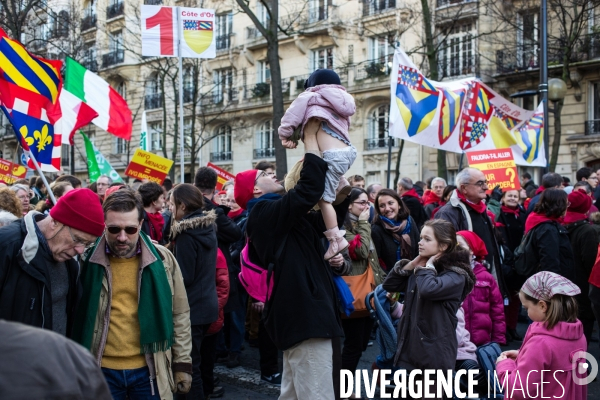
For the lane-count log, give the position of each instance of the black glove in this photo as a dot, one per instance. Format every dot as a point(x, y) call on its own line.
point(496, 193)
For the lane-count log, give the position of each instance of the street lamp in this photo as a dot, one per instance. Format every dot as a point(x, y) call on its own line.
point(557, 90)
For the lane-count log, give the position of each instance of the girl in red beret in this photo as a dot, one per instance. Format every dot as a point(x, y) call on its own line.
point(484, 307)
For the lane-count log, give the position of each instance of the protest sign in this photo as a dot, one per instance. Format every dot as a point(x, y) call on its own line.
point(498, 166)
point(146, 165)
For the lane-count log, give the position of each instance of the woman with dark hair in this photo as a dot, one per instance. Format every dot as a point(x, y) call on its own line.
point(153, 198)
point(435, 282)
point(395, 234)
point(550, 247)
point(195, 248)
point(362, 252)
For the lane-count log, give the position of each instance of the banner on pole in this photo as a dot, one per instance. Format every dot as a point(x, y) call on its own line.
point(146, 165)
point(97, 163)
point(462, 115)
point(144, 138)
point(162, 26)
point(222, 175)
point(11, 172)
point(498, 166)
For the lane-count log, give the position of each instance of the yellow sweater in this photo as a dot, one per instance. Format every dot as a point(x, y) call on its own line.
point(123, 348)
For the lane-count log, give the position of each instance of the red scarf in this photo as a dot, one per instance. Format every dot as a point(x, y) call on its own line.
point(430, 198)
point(234, 214)
point(156, 222)
point(413, 193)
point(508, 210)
point(574, 217)
point(478, 207)
point(534, 219)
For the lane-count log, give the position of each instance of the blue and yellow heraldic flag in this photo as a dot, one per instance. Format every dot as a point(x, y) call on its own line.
point(460, 115)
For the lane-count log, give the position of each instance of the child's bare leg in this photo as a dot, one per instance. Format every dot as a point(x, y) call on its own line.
point(328, 213)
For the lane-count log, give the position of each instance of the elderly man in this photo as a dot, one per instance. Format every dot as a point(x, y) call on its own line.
point(412, 200)
point(134, 315)
point(433, 198)
point(38, 273)
point(467, 210)
point(102, 184)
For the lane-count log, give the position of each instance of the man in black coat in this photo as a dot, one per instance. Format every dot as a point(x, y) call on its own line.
point(549, 181)
point(413, 201)
point(301, 316)
point(227, 234)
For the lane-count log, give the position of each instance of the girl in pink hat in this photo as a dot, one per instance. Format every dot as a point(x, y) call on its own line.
point(550, 361)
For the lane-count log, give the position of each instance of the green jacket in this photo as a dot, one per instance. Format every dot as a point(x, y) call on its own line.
point(361, 253)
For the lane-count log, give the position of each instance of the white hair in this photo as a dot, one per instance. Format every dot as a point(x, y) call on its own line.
point(406, 183)
point(464, 176)
point(6, 218)
point(17, 186)
point(438, 179)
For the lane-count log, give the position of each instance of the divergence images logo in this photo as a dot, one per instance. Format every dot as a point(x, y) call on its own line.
point(580, 362)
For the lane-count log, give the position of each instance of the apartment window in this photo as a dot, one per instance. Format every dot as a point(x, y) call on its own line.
point(264, 141)
point(457, 51)
point(262, 14)
point(122, 89)
point(264, 72)
point(61, 24)
point(224, 27)
point(153, 97)
point(89, 57)
point(322, 58)
point(187, 131)
point(188, 85)
point(223, 81)
point(115, 41)
point(318, 10)
point(65, 155)
point(120, 146)
point(222, 145)
point(371, 7)
point(155, 132)
point(377, 135)
point(89, 16)
point(527, 40)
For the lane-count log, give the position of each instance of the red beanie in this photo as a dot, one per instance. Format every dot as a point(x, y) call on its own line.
point(475, 243)
point(243, 188)
point(580, 201)
point(80, 209)
point(111, 190)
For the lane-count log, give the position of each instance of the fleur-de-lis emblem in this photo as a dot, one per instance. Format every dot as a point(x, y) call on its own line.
point(43, 138)
point(24, 131)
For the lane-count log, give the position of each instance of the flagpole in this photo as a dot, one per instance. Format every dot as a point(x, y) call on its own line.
point(39, 171)
point(181, 139)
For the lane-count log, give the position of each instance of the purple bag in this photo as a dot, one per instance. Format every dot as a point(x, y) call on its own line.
point(256, 279)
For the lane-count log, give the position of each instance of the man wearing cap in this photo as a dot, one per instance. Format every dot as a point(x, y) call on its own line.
point(301, 315)
point(39, 283)
point(134, 315)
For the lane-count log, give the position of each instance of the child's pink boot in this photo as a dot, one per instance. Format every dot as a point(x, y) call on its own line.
point(337, 242)
point(343, 190)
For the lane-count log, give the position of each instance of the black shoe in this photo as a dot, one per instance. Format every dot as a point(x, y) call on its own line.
point(274, 379)
point(217, 392)
point(515, 336)
point(233, 360)
point(216, 381)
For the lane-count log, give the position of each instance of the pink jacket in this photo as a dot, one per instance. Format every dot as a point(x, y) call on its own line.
point(484, 309)
point(330, 103)
point(466, 348)
point(545, 349)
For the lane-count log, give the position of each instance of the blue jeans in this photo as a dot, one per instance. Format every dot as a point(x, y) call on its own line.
point(235, 324)
point(132, 384)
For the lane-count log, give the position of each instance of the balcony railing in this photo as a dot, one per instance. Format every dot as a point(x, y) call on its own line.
point(442, 3)
point(153, 2)
point(112, 58)
point(264, 153)
point(88, 22)
point(223, 42)
point(221, 156)
point(92, 65)
point(373, 7)
point(252, 32)
point(219, 96)
point(379, 143)
point(592, 127)
point(114, 10)
point(152, 101)
point(318, 14)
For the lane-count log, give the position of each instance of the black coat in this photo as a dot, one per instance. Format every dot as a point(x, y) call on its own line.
point(387, 248)
point(25, 292)
point(417, 212)
point(227, 233)
point(427, 328)
point(195, 248)
point(550, 250)
point(584, 243)
point(513, 227)
point(303, 304)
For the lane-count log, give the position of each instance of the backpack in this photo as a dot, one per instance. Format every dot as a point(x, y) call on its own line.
point(256, 279)
point(523, 266)
point(487, 356)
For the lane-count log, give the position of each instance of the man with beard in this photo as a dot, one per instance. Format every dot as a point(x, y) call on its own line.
point(134, 315)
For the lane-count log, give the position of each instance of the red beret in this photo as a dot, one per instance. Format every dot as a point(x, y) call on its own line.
point(580, 201)
point(243, 189)
point(475, 243)
point(80, 209)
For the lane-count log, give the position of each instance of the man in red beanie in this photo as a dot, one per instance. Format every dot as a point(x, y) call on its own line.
point(39, 272)
point(585, 250)
point(301, 315)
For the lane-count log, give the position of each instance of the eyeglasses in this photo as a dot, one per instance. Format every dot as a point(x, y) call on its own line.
point(362, 203)
point(130, 230)
point(77, 241)
point(479, 183)
point(263, 173)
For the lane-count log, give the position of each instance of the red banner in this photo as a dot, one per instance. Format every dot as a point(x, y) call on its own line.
point(498, 166)
point(11, 172)
point(222, 175)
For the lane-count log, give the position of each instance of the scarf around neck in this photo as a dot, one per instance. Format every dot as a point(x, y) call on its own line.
point(155, 307)
point(508, 210)
point(534, 219)
point(400, 232)
point(413, 193)
point(157, 223)
point(264, 197)
point(234, 214)
point(478, 207)
point(431, 198)
point(574, 217)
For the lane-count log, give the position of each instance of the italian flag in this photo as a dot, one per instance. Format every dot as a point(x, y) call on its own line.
point(114, 115)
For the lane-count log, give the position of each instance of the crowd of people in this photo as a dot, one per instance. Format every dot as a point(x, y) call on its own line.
point(150, 278)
